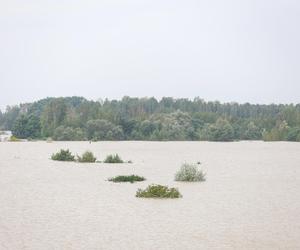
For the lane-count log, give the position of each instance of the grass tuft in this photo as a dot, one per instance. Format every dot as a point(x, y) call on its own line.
point(87, 156)
point(63, 155)
point(158, 191)
point(113, 159)
point(127, 178)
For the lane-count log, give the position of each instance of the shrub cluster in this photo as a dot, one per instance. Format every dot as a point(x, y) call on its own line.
point(158, 191)
point(127, 178)
point(189, 172)
point(113, 159)
point(87, 156)
point(63, 155)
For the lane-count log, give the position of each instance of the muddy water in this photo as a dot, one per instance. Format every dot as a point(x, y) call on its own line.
point(250, 199)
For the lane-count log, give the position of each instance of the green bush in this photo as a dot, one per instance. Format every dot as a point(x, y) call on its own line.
point(189, 172)
point(158, 191)
point(113, 159)
point(127, 178)
point(87, 156)
point(63, 155)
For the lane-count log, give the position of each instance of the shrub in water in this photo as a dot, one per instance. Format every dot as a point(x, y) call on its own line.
point(14, 139)
point(49, 140)
point(87, 156)
point(189, 172)
point(158, 191)
point(63, 155)
point(113, 159)
point(127, 178)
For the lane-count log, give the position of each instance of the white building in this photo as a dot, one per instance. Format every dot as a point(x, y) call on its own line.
point(5, 135)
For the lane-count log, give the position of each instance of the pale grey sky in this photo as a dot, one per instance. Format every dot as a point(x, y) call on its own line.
point(233, 50)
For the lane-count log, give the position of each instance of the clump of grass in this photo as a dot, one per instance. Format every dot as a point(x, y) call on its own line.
point(63, 155)
point(158, 191)
point(14, 139)
point(127, 178)
point(49, 140)
point(189, 172)
point(113, 159)
point(87, 156)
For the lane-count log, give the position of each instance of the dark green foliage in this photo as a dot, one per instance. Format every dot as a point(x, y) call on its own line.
point(252, 132)
point(62, 133)
point(113, 159)
point(87, 156)
point(103, 130)
point(63, 155)
point(75, 118)
point(53, 115)
point(127, 178)
point(293, 134)
point(221, 131)
point(158, 191)
point(27, 126)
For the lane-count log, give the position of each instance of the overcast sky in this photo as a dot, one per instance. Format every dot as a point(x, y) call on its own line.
point(233, 50)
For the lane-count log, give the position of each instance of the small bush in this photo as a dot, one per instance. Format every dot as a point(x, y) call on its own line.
point(189, 172)
point(87, 156)
point(14, 139)
point(127, 178)
point(63, 155)
point(158, 191)
point(113, 159)
point(49, 140)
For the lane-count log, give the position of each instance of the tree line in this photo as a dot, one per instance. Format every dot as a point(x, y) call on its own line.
point(76, 118)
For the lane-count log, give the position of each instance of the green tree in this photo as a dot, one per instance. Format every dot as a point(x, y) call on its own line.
point(252, 132)
point(103, 130)
point(221, 131)
point(27, 127)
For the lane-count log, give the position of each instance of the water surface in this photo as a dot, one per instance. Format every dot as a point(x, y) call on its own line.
point(250, 199)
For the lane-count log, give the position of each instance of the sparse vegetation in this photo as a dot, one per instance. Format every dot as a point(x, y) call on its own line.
point(87, 156)
point(14, 139)
point(63, 155)
point(189, 172)
point(158, 191)
point(127, 178)
point(113, 159)
point(49, 140)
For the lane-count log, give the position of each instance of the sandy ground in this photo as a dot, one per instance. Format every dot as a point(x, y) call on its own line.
point(250, 200)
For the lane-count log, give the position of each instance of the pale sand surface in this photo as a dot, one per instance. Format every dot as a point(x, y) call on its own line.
point(251, 199)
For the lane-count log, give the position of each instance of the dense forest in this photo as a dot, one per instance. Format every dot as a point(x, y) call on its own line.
point(76, 118)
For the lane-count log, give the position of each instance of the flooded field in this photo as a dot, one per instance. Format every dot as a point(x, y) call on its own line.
point(250, 199)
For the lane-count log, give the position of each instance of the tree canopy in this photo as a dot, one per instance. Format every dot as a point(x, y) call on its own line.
point(76, 118)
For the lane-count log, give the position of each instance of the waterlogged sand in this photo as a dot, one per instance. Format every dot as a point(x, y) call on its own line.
point(251, 199)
